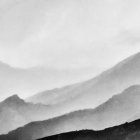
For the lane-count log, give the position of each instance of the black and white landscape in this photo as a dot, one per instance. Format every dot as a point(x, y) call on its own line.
point(125, 131)
point(69, 70)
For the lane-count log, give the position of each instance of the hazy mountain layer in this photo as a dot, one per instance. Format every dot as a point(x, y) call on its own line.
point(23, 81)
point(92, 93)
point(128, 131)
point(14, 112)
point(26, 82)
point(115, 111)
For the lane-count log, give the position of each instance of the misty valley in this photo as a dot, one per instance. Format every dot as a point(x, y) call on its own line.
point(95, 109)
point(69, 70)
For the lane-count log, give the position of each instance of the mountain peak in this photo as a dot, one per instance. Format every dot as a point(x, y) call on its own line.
point(15, 99)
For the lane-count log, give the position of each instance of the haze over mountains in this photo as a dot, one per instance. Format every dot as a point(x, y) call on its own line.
point(15, 112)
point(68, 34)
point(26, 82)
point(117, 110)
point(29, 39)
point(21, 81)
point(92, 93)
point(89, 94)
point(128, 131)
point(47, 44)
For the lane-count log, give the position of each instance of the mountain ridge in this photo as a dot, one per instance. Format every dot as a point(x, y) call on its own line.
point(102, 87)
point(104, 116)
point(129, 131)
point(15, 112)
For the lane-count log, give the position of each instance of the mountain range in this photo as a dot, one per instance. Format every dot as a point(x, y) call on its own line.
point(22, 81)
point(15, 112)
point(127, 131)
point(96, 102)
point(91, 93)
point(117, 110)
point(28, 81)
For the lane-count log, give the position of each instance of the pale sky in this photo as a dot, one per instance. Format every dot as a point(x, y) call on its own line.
point(69, 35)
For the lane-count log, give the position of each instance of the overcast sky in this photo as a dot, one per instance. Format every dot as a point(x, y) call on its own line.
point(68, 35)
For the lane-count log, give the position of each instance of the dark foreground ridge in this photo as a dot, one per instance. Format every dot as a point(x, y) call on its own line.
point(128, 131)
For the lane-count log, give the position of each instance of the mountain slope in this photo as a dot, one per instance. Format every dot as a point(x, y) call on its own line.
point(92, 93)
point(29, 81)
point(15, 112)
point(115, 111)
point(22, 81)
point(128, 131)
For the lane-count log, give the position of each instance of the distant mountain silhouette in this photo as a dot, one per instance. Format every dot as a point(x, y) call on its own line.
point(94, 92)
point(15, 112)
point(128, 131)
point(27, 81)
point(117, 110)
point(13, 100)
